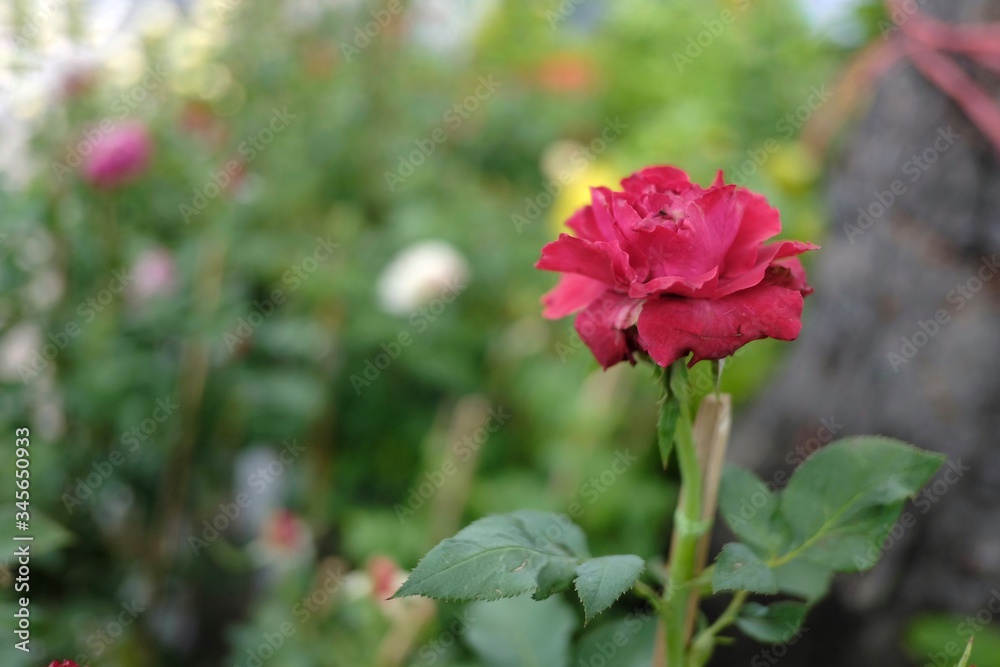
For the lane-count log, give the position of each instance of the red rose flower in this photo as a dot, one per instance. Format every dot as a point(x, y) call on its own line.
point(63, 663)
point(668, 267)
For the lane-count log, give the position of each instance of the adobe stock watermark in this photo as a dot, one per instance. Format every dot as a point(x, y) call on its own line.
point(102, 640)
point(36, 20)
point(750, 506)
point(319, 597)
point(293, 279)
point(461, 452)
point(59, 340)
point(251, 147)
point(957, 299)
point(577, 163)
point(453, 118)
point(308, 606)
point(121, 107)
point(971, 625)
point(899, 13)
point(271, 643)
point(562, 12)
point(591, 491)
point(952, 474)
point(915, 167)
point(786, 128)
point(604, 653)
point(259, 481)
point(431, 652)
point(419, 322)
point(366, 34)
point(130, 441)
point(696, 44)
point(773, 654)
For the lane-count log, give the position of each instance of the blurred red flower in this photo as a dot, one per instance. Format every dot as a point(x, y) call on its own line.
point(667, 267)
point(118, 155)
point(567, 73)
point(63, 663)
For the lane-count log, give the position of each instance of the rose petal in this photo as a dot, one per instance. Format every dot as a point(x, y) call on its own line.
point(653, 179)
point(601, 261)
point(602, 327)
point(670, 327)
point(583, 223)
point(572, 293)
point(760, 222)
point(766, 255)
point(698, 286)
point(788, 273)
point(684, 245)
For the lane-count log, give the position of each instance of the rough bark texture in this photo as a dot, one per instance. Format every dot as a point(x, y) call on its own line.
point(874, 289)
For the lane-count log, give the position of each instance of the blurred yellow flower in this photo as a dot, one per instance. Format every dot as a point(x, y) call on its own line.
point(565, 162)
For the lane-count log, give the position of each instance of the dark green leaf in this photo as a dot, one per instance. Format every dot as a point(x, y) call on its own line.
point(738, 568)
point(628, 642)
point(842, 501)
point(500, 556)
point(601, 581)
point(804, 579)
point(520, 633)
point(771, 624)
point(555, 576)
point(749, 508)
point(670, 412)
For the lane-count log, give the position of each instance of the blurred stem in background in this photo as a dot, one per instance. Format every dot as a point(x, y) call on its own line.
point(192, 377)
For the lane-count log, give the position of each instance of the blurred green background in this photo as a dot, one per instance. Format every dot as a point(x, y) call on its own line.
point(328, 351)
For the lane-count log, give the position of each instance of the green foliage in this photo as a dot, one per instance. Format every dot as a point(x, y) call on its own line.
point(846, 497)
point(771, 624)
point(738, 568)
point(675, 414)
point(626, 642)
point(945, 638)
point(523, 552)
point(513, 633)
point(831, 517)
point(601, 581)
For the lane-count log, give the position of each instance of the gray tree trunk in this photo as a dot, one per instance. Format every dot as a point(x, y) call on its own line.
point(925, 271)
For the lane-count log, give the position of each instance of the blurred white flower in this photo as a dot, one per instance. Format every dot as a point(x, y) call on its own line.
point(357, 585)
point(836, 19)
point(155, 274)
point(45, 289)
point(420, 273)
point(449, 27)
point(17, 348)
point(17, 164)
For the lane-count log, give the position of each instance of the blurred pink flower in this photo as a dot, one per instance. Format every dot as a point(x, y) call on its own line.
point(285, 533)
point(119, 155)
point(154, 273)
point(386, 576)
point(63, 663)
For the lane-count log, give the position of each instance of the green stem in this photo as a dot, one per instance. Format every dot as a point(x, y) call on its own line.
point(647, 592)
point(703, 644)
point(688, 529)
